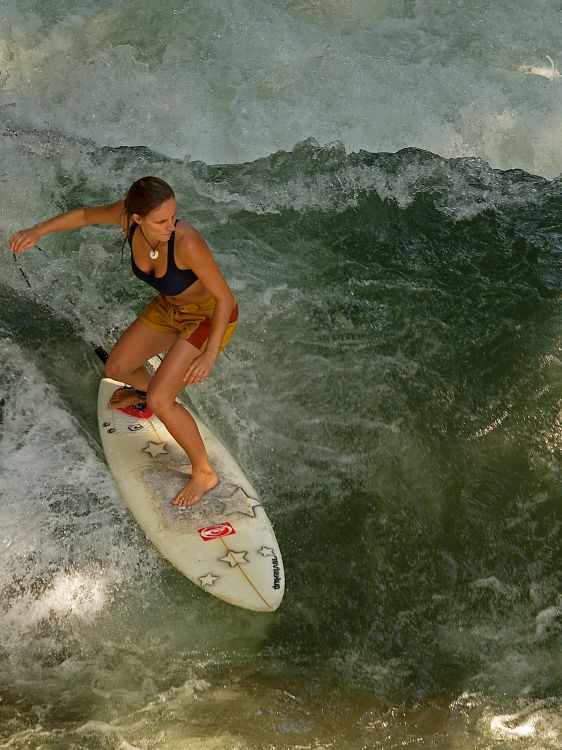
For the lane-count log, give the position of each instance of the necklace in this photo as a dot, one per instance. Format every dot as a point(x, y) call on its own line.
point(153, 251)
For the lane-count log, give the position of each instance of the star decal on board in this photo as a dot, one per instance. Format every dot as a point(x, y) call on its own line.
point(267, 552)
point(240, 502)
point(208, 580)
point(155, 449)
point(235, 558)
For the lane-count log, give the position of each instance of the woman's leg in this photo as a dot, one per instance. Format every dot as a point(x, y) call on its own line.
point(165, 385)
point(127, 359)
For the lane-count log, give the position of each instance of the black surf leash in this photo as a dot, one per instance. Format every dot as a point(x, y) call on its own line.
point(15, 257)
point(98, 350)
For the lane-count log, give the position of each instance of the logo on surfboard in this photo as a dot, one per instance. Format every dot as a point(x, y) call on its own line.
point(214, 532)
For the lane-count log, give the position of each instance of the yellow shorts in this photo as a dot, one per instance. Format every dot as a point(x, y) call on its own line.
point(189, 322)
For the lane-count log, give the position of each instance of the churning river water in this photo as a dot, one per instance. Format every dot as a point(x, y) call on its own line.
point(379, 182)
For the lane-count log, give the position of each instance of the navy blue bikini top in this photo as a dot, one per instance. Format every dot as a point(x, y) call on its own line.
point(175, 280)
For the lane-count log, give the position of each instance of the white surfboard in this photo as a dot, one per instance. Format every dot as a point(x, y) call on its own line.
point(224, 543)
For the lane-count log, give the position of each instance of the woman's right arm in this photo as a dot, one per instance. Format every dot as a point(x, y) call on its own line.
point(75, 219)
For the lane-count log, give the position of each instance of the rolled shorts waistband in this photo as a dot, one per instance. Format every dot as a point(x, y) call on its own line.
point(189, 322)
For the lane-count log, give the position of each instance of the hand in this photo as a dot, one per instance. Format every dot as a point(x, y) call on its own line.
point(199, 368)
point(24, 239)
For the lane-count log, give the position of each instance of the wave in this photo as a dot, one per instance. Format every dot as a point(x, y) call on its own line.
point(231, 82)
point(393, 391)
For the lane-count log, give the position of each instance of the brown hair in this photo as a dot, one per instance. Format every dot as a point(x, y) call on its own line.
point(142, 197)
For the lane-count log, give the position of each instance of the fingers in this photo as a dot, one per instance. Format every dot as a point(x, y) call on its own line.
point(15, 243)
point(194, 376)
point(194, 372)
point(23, 240)
point(199, 369)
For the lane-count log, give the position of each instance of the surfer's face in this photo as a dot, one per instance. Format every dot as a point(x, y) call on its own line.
point(160, 222)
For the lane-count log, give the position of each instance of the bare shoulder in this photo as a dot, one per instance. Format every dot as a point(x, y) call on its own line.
point(189, 242)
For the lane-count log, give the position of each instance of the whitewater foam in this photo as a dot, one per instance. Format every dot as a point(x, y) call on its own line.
point(231, 83)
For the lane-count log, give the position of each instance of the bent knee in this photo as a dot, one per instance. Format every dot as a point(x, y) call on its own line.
point(158, 401)
point(112, 370)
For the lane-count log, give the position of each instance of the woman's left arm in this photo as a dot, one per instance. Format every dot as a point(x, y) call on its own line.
point(194, 251)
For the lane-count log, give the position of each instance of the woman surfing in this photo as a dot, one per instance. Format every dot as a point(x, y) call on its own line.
point(192, 318)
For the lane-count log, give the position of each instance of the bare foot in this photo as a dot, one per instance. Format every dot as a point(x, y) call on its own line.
point(124, 397)
point(200, 483)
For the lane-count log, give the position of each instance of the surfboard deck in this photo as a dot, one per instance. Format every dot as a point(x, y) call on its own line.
point(225, 543)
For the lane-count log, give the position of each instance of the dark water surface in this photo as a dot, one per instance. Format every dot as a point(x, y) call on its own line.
point(394, 389)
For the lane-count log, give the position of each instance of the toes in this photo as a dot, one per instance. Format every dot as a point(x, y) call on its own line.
point(182, 498)
point(193, 492)
point(185, 499)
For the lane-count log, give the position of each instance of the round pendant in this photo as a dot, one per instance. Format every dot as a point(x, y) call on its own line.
point(154, 254)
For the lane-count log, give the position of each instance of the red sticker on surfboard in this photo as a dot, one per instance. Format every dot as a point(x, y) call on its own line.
point(214, 532)
point(134, 411)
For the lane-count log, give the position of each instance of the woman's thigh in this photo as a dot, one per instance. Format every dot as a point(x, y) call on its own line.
point(137, 345)
point(168, 380)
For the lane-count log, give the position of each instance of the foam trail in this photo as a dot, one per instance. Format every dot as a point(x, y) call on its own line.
point(231, 82)
point(63, 555)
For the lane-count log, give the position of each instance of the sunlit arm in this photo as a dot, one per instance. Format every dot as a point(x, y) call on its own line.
point(194, 251)
point(75, 219)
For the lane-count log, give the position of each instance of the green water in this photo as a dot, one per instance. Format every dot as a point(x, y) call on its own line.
point(394, 392)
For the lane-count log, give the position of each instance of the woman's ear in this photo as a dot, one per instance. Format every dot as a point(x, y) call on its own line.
point(136, 218)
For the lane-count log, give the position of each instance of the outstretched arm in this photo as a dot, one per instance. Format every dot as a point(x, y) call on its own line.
point(75, 219)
